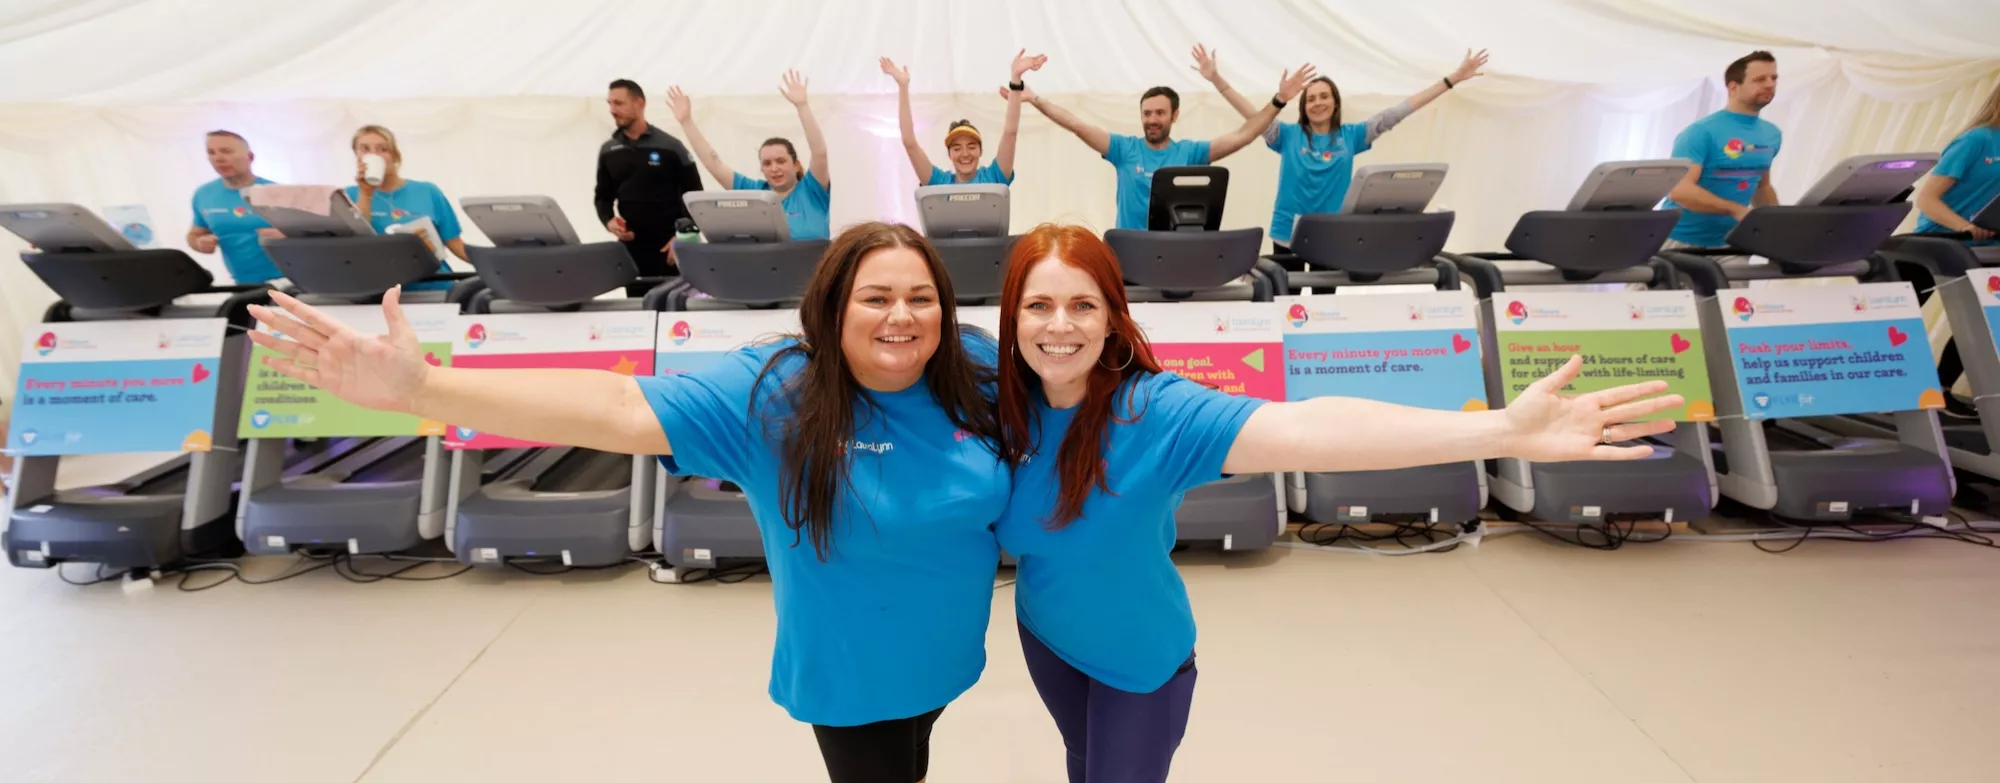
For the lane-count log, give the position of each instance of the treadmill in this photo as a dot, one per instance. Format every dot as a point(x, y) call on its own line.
point(1967, 278)
point(533, 502)
point(1186, 257)
point(1383, 237)
point(165, 514)
point(1606, 237)
point(1822, 468)
point(380, 492)
point(968, 226)
point(745, 263)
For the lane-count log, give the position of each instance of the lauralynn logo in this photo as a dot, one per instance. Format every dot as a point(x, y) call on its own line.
point(475, 335)
point(1297, 317)
point(1517, 312)
point(46, 344)
point(681, 333)
point(1743, 308)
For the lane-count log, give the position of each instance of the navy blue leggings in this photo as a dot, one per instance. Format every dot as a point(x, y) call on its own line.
point(1112, 736)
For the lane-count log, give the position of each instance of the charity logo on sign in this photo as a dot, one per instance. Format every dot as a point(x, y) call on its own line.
point(1221, 324)
point(1296, 314)
point(681, 333)
point(46, 344)
point(596, 333)
point(1517, 312)
point(475, 336)
point(1416, 313)
point(1743, 308)
point(466, 433)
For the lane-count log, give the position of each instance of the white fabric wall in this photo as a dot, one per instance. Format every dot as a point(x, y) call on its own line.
point(105, 101)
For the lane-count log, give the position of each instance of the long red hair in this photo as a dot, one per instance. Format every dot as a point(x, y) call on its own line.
point(1080, 459)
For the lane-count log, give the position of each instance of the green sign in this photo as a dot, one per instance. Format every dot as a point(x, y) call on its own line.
point(1624, 338)
point(275, 406)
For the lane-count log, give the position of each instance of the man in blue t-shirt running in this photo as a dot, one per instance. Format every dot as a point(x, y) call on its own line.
point(223, 220)
point(1732, 151)
point(1135, 158)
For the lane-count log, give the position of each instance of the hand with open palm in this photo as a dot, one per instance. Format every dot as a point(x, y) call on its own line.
point(1469, 67)
point(900, 73)
point(1291, 83)
point(1546, 426)
point(381, 372)
point(794, 88)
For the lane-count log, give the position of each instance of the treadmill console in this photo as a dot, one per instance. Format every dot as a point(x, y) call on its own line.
point(515, 221)
point(1187, 198)
point(62, 228)
point(293, 210)
point(1869, 179)
point(737, 216)
point(1405, 188)
point(963, 211)
point(1628, 185)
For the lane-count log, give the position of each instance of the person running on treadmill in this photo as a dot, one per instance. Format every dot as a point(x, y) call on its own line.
point(1104, 444)
point(1316, 154)
point(398, 200)
point(1967, 177)
point(1135, 159)
point(642, 175)
point(807, 189)
point(223, 220)
point(866, 446)
point(962, 143)
point(1732, 151)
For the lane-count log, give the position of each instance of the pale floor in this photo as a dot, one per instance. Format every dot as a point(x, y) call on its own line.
point(1518, 661)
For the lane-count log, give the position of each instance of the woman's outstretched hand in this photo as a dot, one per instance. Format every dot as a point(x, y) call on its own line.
point(1545, 426)
point(382, 372)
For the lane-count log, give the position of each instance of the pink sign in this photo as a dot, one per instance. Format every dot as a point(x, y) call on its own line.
point(1233, 347)
point(619, 342)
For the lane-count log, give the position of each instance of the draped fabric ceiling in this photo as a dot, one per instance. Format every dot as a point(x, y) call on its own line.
point(105, 101)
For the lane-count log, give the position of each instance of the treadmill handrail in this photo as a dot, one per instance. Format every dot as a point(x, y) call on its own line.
point(1488, 279)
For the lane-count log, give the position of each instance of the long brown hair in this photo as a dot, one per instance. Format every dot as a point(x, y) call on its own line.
point(817, 423)
point(1080, 459)
point(1988, 115)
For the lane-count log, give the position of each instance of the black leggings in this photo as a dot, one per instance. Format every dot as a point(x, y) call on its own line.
point(890, 751)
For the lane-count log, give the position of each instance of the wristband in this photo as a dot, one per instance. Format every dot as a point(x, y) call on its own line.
point(1017, 86)
point(1447, 83)
point(1278, 103)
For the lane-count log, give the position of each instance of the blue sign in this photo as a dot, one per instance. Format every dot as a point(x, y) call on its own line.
point(1420, 350)
point(1828, 351)
point(114, 407)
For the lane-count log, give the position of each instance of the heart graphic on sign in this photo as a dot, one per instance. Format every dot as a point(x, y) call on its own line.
point(1459, 344)
point(200, 372)
point(432, 360)
point(1897, 337)
point(1680, 343)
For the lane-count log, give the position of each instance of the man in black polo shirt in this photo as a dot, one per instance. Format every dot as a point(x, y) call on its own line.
point(643, 172)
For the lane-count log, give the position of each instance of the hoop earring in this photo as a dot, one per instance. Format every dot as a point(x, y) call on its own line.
point(1131, 352)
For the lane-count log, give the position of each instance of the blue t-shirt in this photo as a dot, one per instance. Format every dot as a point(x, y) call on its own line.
point(221, 210)
point(1974, 160)
point(988, 174)
point(1136, 163)
point(893, 623)
point(1734, 152)
point(1314, 171)
point(1103, 592)
point(806, 207)
point(413, 199)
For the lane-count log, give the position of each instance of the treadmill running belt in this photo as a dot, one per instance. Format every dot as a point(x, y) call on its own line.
point(407, 464)
point(585, 470)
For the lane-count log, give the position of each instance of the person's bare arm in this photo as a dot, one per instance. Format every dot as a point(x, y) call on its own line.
point(905, 122)
point(588, 408)
point(1098, 139)
point(1690, 195)
point(1930, 202)
point(1011, 131)
point(1289, 87)
point(1767, 196)
point(795, 91)
point(683, 110)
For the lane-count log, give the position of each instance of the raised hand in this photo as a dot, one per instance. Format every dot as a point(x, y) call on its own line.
point(901, 75)
point(1290, 84)
point(382, 372)
point(1546, 426)
point(678, 102)
point(794, 89)
point(1025, 62)
point(1470, 67)
point(1204, 63)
